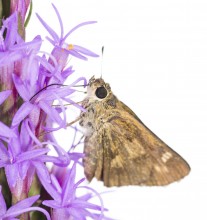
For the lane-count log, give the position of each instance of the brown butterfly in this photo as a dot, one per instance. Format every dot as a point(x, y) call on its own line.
point(119, 149)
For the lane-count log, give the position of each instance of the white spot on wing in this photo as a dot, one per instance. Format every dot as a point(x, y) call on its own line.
point(161, 169)
point(166, 156)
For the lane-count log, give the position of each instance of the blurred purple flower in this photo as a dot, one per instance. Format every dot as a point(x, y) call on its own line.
point(19, 208)
point(66, 204)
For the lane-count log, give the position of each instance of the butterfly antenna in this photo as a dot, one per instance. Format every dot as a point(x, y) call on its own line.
point(56, 84)
point(44, 88)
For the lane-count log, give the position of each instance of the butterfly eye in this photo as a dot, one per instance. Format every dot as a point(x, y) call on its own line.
point(101, 92)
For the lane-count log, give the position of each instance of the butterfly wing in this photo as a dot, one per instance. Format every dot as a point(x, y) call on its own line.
point(125, 152)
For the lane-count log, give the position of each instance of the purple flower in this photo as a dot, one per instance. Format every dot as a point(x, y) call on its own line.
point(12, 37)
point(63, 49)
point(66, 204)
point(13, 57)
point(32, 83)
point(41, 101)
point(22, 157)
point(13, 47)
point(7, 55)
point(19, 208)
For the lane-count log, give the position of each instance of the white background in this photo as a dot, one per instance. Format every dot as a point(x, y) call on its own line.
point(156, 62)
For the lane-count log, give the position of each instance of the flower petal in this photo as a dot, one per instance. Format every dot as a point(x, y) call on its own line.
point(76, 54)
point(4, 95)
point(82, 213)
point(25, 140)
point(51, 112)
point(6, 131)
point(25, 166)
point(59, 19)
point(84, 51)
point(49, 29)
point(44, 178)
point(42, 171)
point(51, 203)
point(24, 206)
point(76, 27)
point(22, 90)
point(26, 203)
point(23, 111)
point(3, 152)
point(68, 187)
point(8, 58)
point(11, 24)
point(32, 154)
point(12, 174)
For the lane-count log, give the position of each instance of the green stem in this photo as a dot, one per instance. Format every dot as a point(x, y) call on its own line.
point(29, 15)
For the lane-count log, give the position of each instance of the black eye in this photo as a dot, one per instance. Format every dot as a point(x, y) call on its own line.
point(101, 92)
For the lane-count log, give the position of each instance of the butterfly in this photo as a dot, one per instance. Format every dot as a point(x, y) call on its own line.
point(119, 149)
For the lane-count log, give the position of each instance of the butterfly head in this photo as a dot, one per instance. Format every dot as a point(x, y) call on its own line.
point(98, 90)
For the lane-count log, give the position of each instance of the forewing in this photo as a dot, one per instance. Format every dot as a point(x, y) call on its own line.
point(140, 155)
point(133, 155)
point(125, 160)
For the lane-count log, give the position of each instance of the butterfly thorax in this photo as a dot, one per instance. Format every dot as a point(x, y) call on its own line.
point(98, 104)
